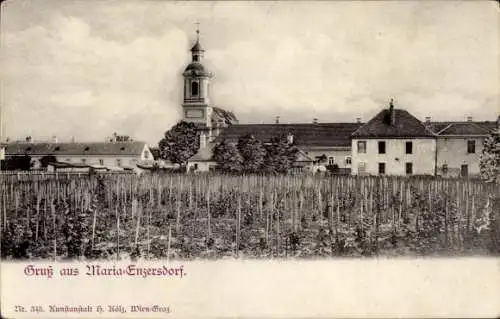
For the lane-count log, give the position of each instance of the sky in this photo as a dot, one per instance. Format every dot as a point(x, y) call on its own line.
point(86, 69)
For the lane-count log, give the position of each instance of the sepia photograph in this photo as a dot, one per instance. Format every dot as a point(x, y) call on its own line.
point(226, 131)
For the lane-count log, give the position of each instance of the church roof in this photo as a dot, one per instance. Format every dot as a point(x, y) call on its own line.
point(134, 148)
point(197, 47)
point(196, 68)
point(405, 126)
point(222, 114)
point(304, 134)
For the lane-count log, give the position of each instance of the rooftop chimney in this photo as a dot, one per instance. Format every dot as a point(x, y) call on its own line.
point(277, 120)
point(358, 120)
point(469, 118)
point(427, 119)
point(54, 139)
point(315, 121)
point(392, 112)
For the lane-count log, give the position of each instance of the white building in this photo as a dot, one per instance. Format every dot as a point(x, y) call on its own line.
point(459, 146)
point(393, 142)
point(111, 155)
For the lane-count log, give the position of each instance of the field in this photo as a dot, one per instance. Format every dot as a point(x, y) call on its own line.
point(178, 216)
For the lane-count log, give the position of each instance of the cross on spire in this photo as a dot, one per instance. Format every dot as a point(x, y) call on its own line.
point(197, 30)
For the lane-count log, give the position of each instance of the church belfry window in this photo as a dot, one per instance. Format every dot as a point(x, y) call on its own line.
point(195, 88)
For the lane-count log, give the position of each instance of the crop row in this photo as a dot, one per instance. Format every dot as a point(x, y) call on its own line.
point(214, 216)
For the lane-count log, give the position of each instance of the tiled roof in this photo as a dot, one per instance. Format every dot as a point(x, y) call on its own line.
point(227, 116)
point(308, 134)
point(204, 154)
point(303, 157)
point(462, 128)
point(405, 126)
point(134, 148)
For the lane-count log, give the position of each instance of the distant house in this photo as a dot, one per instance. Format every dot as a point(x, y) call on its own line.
point(202, 161)
point(111, 155)
point(393, 142)
point(459, 146)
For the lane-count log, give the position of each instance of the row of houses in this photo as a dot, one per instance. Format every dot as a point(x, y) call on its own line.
point(393, 142)
point(80, 157)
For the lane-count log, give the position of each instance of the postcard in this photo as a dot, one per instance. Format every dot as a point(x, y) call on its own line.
point(240, 159)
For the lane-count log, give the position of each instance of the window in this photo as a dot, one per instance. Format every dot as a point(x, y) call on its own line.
point(331, 160)
point(361, 146)
point(146, 154)
point(381, 168)
point(101, 162)
point(445, 169)
point(409, 168)
point(361, 168)
point(195, 88)
point(84, 160)
point(381, 147)
point(464, 170)
point(196, 58)
point(409, 147)
point(471, 147)
point(348, 160)
point(118, 162)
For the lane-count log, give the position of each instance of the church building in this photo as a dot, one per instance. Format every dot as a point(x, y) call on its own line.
point(393, 142)
point(197, 105)
point(318, 143)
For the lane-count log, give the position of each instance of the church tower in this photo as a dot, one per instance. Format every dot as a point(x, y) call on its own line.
point(196, 102)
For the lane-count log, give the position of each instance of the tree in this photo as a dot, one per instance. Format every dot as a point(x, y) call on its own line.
point(18, 163)
point(252, 152)
point(180, 143)
point(280, 155)
point(227, 157)
point(45, 160)
point(489, 163)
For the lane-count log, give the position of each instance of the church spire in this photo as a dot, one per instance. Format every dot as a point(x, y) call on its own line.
point(197, 32)
point(197, 50)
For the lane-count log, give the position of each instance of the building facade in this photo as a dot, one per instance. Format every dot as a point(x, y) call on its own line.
point(459, 146)
point(393, 142)
point(110, 155)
